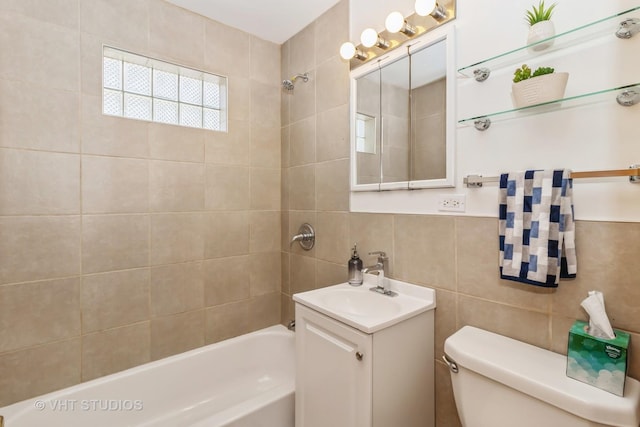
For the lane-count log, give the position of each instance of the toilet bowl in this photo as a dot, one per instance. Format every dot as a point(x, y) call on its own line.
point(500, 382)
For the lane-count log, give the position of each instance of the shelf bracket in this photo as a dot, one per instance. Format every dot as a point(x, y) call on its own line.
point(628, 97)
point(482, 123)
point(481, 74)
point(628, 28)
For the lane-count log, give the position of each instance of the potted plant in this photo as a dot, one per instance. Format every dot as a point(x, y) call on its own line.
point(540, 25)
point(539, 86)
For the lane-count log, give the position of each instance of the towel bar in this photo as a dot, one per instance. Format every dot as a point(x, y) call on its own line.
point(475, 181)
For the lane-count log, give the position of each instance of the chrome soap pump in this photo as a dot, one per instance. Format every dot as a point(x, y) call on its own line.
point(355, 268)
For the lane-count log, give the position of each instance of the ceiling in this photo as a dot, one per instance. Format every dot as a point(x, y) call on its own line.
point(273, 20)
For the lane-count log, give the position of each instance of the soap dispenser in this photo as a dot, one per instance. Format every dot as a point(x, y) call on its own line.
point(355, 268)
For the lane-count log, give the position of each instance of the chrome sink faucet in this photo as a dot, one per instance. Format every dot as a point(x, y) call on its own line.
point(379, 268)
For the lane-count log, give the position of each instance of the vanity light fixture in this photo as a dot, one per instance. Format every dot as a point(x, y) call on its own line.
point(399, 29)
point(432, 8)
point(395, 23)
point(348, 50)
point(370, 38)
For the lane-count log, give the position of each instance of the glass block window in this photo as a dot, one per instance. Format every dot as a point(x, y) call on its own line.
point(142, 88)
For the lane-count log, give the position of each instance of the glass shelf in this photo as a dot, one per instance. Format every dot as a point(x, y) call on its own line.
point(603, 27)
point(626, 95)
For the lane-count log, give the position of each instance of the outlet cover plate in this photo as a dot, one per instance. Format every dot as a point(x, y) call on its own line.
point(452, 202)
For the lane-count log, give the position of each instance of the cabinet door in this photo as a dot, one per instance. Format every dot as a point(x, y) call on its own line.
point(333, 372)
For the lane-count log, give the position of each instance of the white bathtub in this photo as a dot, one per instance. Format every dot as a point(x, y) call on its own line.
point(247, 381)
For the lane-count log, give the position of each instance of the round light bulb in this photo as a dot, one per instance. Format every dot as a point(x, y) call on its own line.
point(369, 37)
point(425, 7)
point(347, 50)
point(394, 22)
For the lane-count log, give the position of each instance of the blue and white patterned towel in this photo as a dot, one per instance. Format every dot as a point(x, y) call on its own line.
point(536, 228)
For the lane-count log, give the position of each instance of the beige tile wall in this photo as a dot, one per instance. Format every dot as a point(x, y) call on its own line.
point(457, 256)
point(125, 241)
point(315, 153)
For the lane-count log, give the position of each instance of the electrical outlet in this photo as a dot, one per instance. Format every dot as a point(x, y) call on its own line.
point(452, 202)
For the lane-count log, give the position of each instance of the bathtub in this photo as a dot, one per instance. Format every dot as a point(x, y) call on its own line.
point(247, 381)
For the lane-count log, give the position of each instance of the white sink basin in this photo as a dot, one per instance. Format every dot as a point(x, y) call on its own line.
point(357, 303)
point(369, 311)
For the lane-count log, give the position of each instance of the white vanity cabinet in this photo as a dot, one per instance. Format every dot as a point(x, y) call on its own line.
point(333, 372)
point(349, 378)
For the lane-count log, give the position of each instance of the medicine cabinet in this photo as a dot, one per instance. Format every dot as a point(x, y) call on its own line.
point(403, 117)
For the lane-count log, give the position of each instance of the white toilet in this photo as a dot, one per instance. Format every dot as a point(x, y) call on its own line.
point(501, 382)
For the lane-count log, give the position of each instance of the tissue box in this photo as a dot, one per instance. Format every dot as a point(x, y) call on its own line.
point(596, 361)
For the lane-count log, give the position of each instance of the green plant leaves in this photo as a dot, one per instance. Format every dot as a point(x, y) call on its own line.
point(539, 14)
point(524, 72)
point(542, 71)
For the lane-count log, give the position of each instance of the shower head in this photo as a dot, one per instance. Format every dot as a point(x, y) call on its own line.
point(289, 84)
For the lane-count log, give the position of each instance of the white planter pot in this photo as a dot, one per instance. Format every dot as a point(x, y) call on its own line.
point(540, 31)
point(536, 90)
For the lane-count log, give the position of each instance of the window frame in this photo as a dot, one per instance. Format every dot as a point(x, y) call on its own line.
point(206, 114)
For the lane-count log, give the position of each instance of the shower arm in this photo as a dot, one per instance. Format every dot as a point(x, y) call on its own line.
point(289, 84)
point(304, 77)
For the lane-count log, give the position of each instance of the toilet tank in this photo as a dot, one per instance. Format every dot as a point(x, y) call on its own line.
point(502, 382)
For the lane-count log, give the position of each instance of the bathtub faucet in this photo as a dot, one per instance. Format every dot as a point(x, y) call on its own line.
point(306, 236)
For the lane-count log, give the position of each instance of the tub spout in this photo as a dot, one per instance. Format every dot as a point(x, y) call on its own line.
point(302, 237)
point(306, 236)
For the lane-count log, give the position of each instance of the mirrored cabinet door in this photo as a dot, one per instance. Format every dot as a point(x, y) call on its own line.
point(429, 113)
point(396, 121)
point(367, 129)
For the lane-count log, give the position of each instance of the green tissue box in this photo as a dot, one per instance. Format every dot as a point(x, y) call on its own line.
point(596, 361)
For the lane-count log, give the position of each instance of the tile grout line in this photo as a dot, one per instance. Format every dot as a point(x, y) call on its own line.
point(149, 226)
point(80, 160)
point(457, 293)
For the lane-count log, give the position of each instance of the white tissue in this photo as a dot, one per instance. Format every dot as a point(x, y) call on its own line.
point(599, 325)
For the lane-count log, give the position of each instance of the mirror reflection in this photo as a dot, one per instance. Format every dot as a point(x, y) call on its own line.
point(365, 134)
